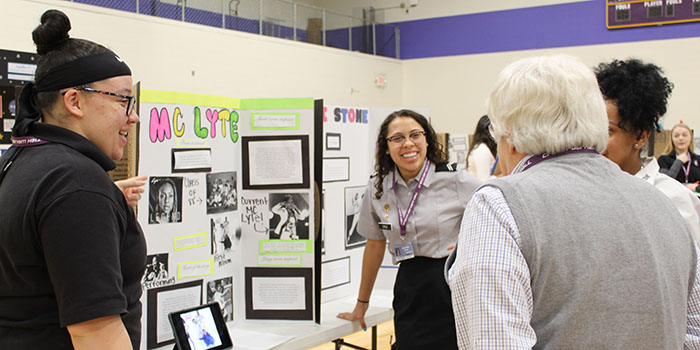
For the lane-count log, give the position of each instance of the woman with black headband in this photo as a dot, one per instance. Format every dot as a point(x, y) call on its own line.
point(71, 251)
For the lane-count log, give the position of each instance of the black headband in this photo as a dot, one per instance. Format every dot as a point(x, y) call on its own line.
point(82, 71)
point(78, 72)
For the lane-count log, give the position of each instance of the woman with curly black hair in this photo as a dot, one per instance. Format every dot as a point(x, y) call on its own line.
point(415, 202)
point(636, 94)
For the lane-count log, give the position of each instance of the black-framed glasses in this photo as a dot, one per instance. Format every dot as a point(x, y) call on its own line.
point(400, 139)
point(131, 100)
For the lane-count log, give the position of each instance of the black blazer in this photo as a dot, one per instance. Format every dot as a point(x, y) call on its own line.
point(674, 168)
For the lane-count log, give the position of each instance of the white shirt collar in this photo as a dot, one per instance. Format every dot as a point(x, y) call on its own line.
point(650, 167)
point(399, 179)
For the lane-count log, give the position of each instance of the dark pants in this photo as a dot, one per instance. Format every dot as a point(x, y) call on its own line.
point(423, 317)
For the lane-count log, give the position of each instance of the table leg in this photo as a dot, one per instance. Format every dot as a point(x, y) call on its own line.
point(340, 342)
point(374, 337)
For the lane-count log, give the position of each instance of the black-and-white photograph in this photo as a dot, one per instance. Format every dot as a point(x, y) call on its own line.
point(290, 216)
point(353, 203)
point(156, 268)
point(164, 200)
point(221, 192)
point(221, 291)
point(225, 235)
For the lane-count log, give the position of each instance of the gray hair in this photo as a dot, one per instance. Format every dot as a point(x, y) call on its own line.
point(548, 104)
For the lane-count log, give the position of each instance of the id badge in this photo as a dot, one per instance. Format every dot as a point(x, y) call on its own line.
point(384, 226)
point(403, 252)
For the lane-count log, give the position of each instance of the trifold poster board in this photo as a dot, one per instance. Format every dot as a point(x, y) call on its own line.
point(345, 174)
point(229, 208)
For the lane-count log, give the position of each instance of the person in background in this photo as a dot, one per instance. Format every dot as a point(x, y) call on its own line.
point(567, 251)
point(482, 151)
point(72, 254)
point(681, 163)
point(415, 201)
point(635, 96)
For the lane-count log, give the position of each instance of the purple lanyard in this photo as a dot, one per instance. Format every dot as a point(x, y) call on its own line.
point(403, 219)
point(687, 169)
point(542, 157)
point(27, 141)
point(22, 141)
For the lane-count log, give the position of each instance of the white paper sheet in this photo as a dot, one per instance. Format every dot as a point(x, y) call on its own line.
point(278, 293)
point(275, 162)
point(335, 272)
point(196, 159)
point(274, 121)
point(7, 124)
point(21, 68)
point(171, 301)
point(336, 169)
point(279, 260)
point(191, 241)
point(284, 246)
point(333, 141)
point(195, 268)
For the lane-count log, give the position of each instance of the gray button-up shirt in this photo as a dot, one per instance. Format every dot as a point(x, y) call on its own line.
point(436, 217)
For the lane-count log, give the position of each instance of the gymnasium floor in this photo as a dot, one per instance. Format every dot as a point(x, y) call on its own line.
point(385, 336)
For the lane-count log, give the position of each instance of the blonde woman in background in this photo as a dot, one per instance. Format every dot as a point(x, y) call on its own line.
point(681, 163)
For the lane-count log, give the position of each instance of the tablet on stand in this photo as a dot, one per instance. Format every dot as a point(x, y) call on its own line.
point(200, 328)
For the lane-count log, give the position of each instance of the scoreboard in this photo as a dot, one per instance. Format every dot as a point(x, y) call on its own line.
point(636, 13)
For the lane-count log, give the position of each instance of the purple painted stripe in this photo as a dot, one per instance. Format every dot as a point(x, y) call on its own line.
point(572, 24)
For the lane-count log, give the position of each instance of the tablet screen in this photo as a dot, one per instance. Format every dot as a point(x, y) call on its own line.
point(200, 328)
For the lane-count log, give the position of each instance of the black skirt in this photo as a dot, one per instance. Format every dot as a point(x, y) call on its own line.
point(423, 317)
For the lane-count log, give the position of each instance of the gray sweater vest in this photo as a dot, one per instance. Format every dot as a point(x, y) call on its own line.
point(611, 260)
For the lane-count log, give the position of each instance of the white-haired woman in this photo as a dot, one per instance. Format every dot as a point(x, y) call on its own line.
point(548, 255)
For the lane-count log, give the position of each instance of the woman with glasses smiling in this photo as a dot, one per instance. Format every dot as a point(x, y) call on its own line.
point(415, 202)
point(71, 251)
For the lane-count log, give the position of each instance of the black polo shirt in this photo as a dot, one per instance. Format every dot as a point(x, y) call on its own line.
point(666, 162)
point(71, 249)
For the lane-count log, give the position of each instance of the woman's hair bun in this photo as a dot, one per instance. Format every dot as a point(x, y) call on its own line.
point(52, 32)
